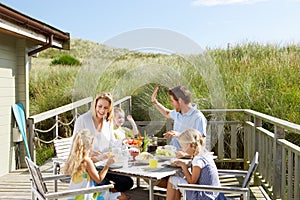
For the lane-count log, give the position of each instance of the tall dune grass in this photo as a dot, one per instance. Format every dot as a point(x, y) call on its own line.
point(264, 78)
point(259, 77)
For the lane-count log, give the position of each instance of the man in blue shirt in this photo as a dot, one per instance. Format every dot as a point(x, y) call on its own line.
point(185, 116)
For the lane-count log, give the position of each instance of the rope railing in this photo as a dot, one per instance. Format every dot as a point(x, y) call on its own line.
point(34, 136)
point(37, 139)
point(45, 131)
point(67, 124)
point(57, 121)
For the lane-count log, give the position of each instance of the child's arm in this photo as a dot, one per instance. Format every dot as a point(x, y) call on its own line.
point(133, 124)
point(92, 171)
point(190, 177)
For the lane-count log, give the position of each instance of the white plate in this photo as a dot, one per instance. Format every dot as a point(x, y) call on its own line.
point(163, 158)
point(142, 161)
point(112, 166)
point(169, 164)
point(116, 165)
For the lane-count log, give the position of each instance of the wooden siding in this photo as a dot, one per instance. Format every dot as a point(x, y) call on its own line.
point(13, 89)
point(22, 81)
point(7, 96)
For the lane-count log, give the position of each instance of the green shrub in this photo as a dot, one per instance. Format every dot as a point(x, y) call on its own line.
point(66, 60)
point(45, 152)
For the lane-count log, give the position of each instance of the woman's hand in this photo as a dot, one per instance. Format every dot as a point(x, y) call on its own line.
point(95, 156)
point(95, 153)
point(111, 160)
point(103, 156)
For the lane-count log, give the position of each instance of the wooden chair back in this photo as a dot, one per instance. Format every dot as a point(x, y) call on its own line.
point(38, 185)
point(251, 171)
point(62, 147)
point(243, 191)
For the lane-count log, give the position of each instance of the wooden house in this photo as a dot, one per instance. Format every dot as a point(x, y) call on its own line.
point(21, 37)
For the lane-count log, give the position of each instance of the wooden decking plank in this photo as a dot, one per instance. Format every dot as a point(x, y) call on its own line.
point(16, 186)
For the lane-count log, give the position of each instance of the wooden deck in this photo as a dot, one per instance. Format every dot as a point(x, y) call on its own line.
point(16, 186)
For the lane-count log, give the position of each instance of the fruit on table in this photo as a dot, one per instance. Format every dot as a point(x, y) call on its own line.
point(133, 142)
point(145, 156)
point(134, 152)
point(164, 152)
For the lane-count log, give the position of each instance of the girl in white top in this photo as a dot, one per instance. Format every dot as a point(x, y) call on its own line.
point(81, 167)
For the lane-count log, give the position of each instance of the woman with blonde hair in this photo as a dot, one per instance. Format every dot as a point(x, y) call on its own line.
point(99, 120)
point(203, 169)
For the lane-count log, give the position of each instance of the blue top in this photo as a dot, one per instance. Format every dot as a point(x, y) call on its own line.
point(194, 118)
point(208, 176)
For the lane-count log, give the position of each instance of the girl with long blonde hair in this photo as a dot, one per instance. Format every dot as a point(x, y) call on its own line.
point(81, 167)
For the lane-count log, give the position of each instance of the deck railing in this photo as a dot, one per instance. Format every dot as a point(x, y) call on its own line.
point(279, 159)
point(83, 104)
point(234, 135)
point(239, 138)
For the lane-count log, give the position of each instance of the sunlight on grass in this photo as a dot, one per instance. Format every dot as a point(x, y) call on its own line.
point(264, 78)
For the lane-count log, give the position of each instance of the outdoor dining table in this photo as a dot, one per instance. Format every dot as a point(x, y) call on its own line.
point(141, 170)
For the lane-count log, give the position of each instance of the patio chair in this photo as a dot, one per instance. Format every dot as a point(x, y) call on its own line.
point(62, 148)
point(40, 191)
point(243, 190)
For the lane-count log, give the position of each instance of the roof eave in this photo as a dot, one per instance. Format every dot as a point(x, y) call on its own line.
point(16, 23)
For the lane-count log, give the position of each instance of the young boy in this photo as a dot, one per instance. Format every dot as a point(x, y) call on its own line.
point(123, 132)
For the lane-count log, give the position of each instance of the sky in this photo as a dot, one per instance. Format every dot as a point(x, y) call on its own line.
point(209, 23)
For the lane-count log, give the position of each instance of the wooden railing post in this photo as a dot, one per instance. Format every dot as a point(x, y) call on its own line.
point(169, 126)
point(56, 126)
point(277, 162)
point(31, 139)
point(130, 105)
point(257, 123)
point(127, 107)
point(247, 133)
point(75, 113)
point(233, 141)
point(90, 105)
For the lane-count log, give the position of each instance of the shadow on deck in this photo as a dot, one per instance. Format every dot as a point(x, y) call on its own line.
point(16, 186)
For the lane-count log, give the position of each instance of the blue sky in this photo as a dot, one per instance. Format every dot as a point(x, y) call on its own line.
point(210, 23)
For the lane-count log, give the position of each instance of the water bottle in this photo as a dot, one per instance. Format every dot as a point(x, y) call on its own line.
point(126, 156)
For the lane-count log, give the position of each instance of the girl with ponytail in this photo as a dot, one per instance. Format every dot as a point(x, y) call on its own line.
point(203, 169)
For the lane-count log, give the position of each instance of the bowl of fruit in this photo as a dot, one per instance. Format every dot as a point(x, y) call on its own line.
point(144, 157)
point(164, 154)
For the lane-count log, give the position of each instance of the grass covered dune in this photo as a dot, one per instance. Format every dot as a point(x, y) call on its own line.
point(260, 77)
point(264, 78)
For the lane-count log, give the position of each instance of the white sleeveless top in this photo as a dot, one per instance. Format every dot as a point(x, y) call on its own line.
point(84, 181)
